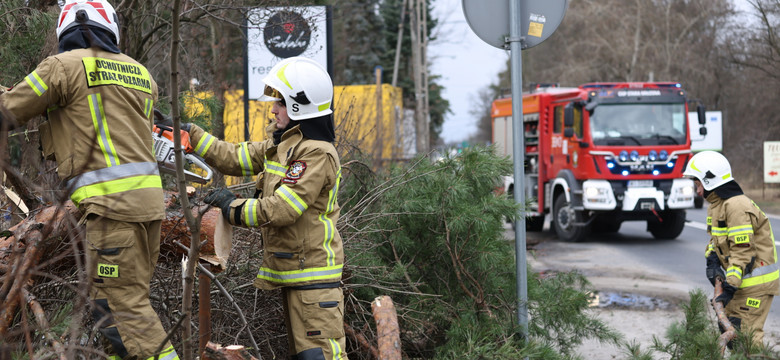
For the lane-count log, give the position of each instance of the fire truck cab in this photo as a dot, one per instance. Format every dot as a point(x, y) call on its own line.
point(600, 154)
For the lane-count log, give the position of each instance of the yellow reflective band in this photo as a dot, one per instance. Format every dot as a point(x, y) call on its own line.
point(694, 167)
point(101, 71)
point(719, 231)
point(101, 129)
point(742, 229)
point(293, 276)
point(754, 303)
point(116, 186)
point(324, 106)
point(280, 75)
point(710, 249)
point(329, 232)
point(148, 106)
point(292, 199)
point(114, 357)
point(36, 83)
point(335, 349)
point(250, 213)
point(204, 144)
point(244, 159)
point(108, 270)
point(758, 280)
point(275, 168)
point(167, 354)
point(709, 220)
point(734, 271)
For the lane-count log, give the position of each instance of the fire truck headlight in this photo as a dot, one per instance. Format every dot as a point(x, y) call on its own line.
point(656, 172)
point(687, 190)
point(597, 194)
point(593, 192)
point(652, 155)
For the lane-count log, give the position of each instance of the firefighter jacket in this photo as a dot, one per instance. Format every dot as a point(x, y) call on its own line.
point(742, 237)
point(99, 109)
point(296, 209)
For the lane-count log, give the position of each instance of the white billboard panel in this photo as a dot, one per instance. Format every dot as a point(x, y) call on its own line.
point(276, 33)
point(771, 161)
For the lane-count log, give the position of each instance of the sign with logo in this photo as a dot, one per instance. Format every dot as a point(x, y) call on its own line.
point(277, 33)
point(771, 161)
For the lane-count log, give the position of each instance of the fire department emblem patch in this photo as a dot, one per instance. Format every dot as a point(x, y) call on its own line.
point(296, 169)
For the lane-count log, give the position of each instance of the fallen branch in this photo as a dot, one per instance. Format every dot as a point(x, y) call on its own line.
point(361, 340)
point(729, 331)
point(40, 318)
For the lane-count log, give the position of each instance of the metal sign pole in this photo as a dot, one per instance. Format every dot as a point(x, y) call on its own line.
point(518, 151)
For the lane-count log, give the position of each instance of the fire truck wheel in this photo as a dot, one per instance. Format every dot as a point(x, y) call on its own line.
point(698, 202)
point(671, 227)
point(564, 218)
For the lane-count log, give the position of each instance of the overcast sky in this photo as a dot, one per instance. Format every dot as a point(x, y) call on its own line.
point(466, 65)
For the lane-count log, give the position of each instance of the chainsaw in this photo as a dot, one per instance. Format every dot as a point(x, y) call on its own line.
point(166, 159)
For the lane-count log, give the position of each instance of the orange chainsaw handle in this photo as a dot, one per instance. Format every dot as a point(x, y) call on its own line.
point(167, 132)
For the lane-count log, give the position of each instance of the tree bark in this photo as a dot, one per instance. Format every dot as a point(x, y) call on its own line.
point(388, 333)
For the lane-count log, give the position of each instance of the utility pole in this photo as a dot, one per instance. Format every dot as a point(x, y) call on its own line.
point(418, 67)
point(398, 43)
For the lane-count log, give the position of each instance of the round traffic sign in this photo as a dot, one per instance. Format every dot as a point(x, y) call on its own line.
point(490, 20)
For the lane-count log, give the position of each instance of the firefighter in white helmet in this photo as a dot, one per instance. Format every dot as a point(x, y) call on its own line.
point(98, 104)
point(294, 206)
point(741, 242)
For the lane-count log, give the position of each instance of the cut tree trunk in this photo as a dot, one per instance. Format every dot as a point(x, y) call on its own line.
point(388, 333)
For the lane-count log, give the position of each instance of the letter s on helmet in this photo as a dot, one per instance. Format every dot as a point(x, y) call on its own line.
point(91, 12)
point(711, 168)
point(305, 86)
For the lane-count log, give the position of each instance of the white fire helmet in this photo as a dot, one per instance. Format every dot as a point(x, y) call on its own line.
point(91, 12)
point(304, 85)
point(711, 168)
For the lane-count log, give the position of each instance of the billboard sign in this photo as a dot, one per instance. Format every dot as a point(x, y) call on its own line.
point(771, 161)
point(277, 33)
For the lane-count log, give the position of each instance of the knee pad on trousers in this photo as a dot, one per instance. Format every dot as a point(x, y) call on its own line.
point(311, 354)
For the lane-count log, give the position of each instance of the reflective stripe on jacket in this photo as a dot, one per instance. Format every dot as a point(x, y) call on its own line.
point(298, 207)
point(741, 235)
point(99, 109)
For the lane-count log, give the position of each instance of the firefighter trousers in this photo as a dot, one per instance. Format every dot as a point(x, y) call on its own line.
point(315, 323)
point(752, 312)
point(121, 258)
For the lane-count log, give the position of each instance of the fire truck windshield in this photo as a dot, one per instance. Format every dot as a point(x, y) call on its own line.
point(638, 124)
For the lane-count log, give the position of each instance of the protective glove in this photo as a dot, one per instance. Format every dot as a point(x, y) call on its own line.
point(728, 293)
point(220, 198)
point(714, 268)
point(163, 121)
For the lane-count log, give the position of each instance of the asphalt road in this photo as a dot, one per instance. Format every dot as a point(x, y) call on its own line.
point(632, 260)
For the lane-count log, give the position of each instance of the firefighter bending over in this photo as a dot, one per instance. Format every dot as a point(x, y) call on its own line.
point(98, 103)
point(294, 206)
point(741, 242)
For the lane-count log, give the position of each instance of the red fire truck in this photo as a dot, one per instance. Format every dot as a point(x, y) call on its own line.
point(601, 154)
